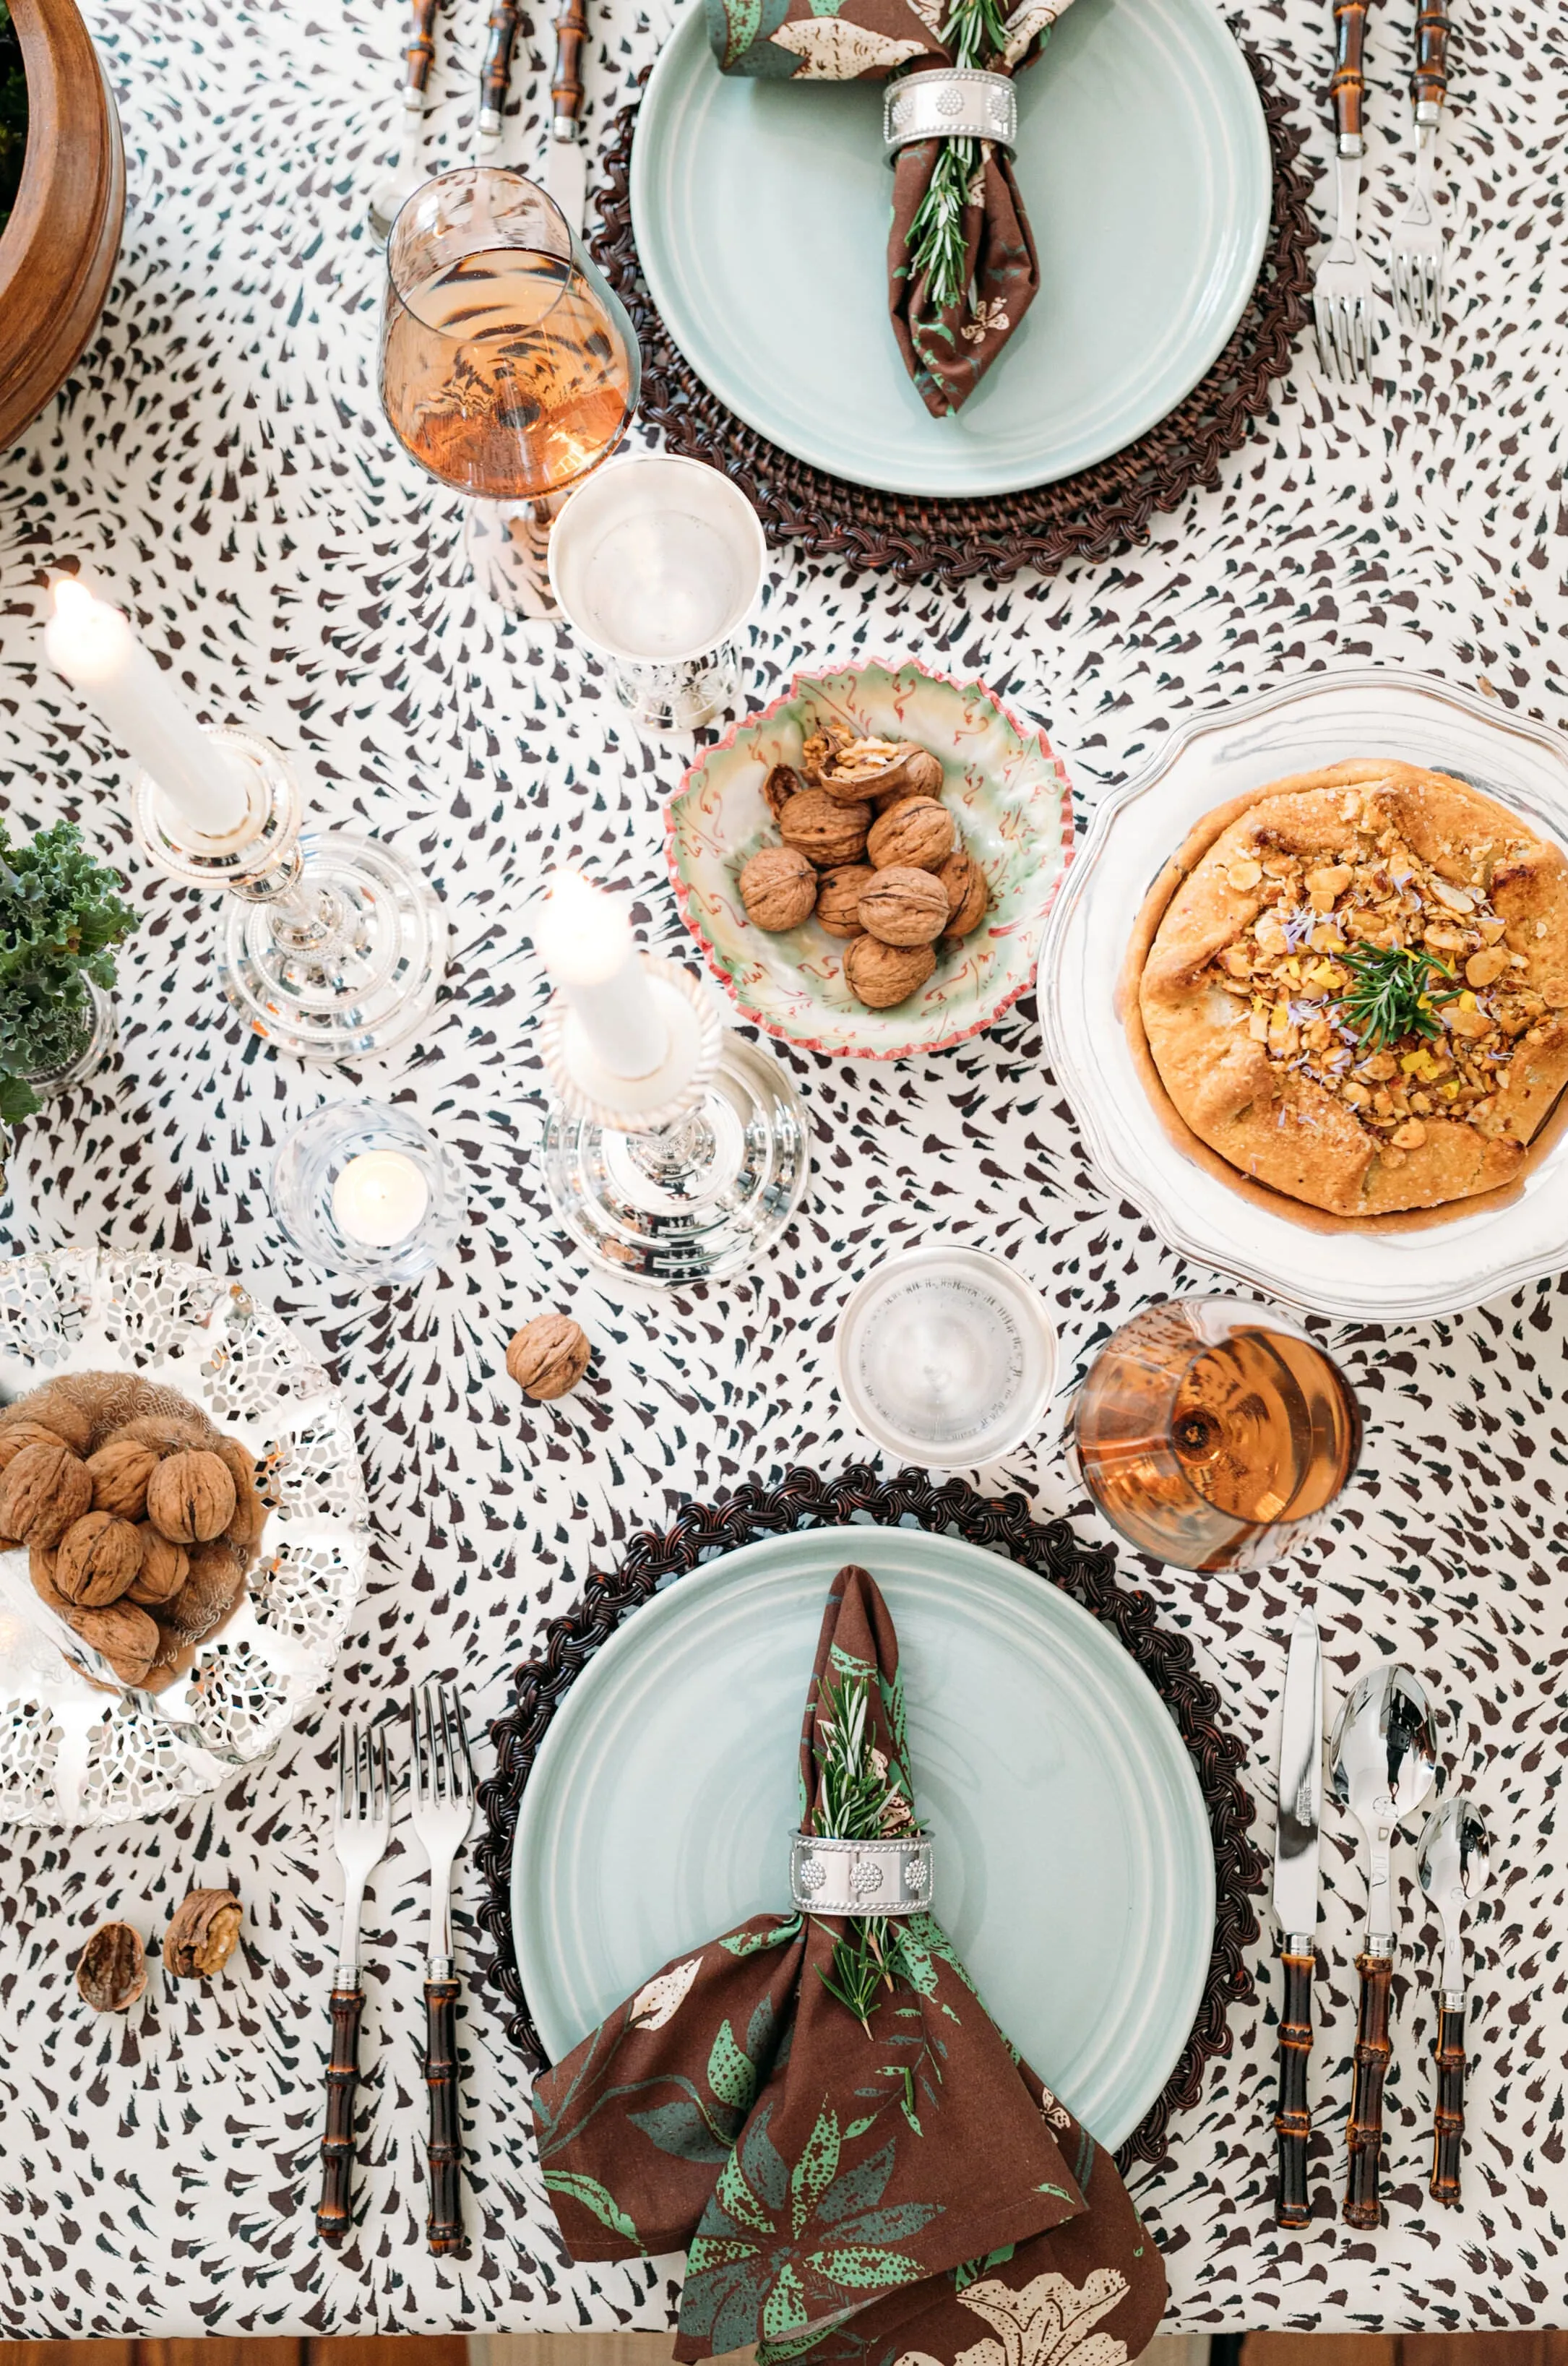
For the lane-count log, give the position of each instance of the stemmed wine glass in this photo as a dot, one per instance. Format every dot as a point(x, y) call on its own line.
point(509, 369)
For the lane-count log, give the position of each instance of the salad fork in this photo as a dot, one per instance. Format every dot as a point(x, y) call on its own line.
point(443, 1815)
point(361, 1821)
point(1342, 291)
point(1418, 248)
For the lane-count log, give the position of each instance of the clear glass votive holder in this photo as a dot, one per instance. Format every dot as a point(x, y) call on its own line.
point(656, 562)
point(407, 1212)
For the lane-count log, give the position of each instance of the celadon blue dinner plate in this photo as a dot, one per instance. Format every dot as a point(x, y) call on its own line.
point(760, 210)
point(1074, 1864)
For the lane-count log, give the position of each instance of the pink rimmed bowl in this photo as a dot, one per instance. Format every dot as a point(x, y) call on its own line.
point(1008, 791)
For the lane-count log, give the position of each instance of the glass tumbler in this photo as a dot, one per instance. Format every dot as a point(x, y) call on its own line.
point(1214, 1433)
point(509, 367)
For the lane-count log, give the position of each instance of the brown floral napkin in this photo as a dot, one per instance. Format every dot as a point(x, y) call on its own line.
point(824, 2117)
point(948, 340)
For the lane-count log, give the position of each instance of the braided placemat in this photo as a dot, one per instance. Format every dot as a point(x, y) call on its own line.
point(1091, 515)
point(803, 1499)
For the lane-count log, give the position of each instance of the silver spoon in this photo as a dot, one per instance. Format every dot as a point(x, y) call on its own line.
point(1455, 1863)
point(1383, 1761)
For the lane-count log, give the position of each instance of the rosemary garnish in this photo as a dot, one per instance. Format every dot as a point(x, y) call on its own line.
point(975, 33)
point(1394, 994)
point(856, 1800)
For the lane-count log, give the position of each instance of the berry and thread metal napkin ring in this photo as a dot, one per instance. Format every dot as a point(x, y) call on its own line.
point(949, 103)
point(860, 1877)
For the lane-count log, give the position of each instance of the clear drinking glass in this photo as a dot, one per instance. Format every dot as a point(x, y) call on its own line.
point(1214, 1433)
point(509, 367)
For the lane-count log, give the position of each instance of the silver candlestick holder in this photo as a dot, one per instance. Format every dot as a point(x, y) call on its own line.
point(682, 1177)
point(333, 946)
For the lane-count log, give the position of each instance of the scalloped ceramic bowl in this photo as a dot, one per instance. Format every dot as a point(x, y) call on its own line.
point(1009, 794)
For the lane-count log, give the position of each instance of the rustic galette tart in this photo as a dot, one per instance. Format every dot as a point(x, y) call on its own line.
point(1359, 994)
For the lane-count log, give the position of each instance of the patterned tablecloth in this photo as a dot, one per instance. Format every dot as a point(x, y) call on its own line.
point(220, 459)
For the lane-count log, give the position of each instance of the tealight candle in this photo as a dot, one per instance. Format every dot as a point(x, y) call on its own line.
point(93, 645)
point(585, 941)
point(380, 1199)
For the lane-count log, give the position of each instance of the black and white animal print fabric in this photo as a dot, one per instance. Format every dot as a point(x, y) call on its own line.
point(219, 457)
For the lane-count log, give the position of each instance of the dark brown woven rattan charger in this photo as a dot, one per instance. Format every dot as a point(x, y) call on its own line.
point(1091, 515)
point(803, 1499)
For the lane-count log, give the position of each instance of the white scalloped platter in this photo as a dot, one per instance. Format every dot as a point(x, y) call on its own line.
point(74, 1753)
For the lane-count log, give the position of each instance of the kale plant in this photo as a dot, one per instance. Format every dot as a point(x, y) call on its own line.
point(60, 918)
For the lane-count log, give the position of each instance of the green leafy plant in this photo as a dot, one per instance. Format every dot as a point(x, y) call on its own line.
point(13, 115)
point(60, 918)
point(1395, 994)
point(975, 34)
point(859, 1799)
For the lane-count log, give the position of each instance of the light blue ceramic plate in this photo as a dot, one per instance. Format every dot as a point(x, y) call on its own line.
point(1075, 1869)
point(760, 210)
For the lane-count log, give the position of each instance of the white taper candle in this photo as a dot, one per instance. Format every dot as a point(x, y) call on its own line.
point(585, 941)
point(93, 645)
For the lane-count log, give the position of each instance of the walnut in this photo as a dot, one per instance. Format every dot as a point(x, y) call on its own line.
point(917, 831)
point(40, 1569)
point(96, 1560)
point(164, 1569)
point(111, 1970)
point(838, 898)
point(243, 1532)
point(880, 975)
point(203, 1934)
point(782, 784)
point(57, 1413)
point(126, 1636)
point(14, 1434)
point(968, 898)
point(882, 768)
point(120, 1473)
point(904, 907)
point(549, 1357)
point(164, 1433)
point(215, 1583)
point(43, 1490)
point(190, 1497)
point(825, 833)
point(88, 1408)
point(821, 749)
point(920, 775)
point(778, 888)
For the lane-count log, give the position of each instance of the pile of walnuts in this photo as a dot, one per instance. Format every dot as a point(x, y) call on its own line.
point(870, 847)
point(139, 1520)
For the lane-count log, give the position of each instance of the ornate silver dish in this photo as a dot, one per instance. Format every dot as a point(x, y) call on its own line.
point(76, 1750)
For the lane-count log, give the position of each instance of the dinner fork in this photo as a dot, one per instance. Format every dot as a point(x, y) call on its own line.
point(362, 1820)
point(1342, 291)
point(443, 1813)
point(1417, 249)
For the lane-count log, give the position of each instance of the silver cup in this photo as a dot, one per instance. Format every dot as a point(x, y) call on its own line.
point(657, 563)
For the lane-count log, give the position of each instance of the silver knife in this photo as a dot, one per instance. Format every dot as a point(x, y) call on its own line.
point(495, 76)
point(566, 166)
point(388, 197)
point(1297, 1832)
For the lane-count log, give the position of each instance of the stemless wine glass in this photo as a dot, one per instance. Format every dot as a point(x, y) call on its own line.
point(509, 367)
point(1214, 1433)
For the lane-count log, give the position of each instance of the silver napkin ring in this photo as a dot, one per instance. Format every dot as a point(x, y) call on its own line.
point(949, 103)
point(860, 1877)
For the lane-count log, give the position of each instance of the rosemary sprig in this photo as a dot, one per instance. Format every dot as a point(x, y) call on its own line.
point(975, 33)
point(1394, 994)
point(854, 1802)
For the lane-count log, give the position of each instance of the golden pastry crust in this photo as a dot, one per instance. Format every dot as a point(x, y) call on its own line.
point(1241, 994)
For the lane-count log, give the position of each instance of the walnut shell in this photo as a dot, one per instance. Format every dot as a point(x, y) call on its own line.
point(14, 1434)
point(190, 1496)
point(126, 1636)
point(821, 749)
point(120, 1473)
point(782, 784)
point(244, 1530)
point(164, 1433)
point(549, 1357)
point(40, 1569)
point(825, 833)
point(214, 1584)
point(838, 898)
point(917, 831)
point(96, 1560)
point(968, 897)
point(882, 768)
point(111, 1970)
point(203, 1933)
point(778, 887)
point(920, 775)
point(164, 1569)
point(880, 975)
point(904, 906)
point(43, 1490)
point(50, 1406)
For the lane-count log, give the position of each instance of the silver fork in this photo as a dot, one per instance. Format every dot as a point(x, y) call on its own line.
point(442, 1816)
point(362, 1820)
point(1342, 291)
point(1418, 247)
